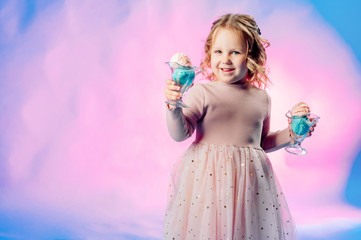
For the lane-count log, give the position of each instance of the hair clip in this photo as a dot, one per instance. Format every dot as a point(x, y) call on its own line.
point(257, 28)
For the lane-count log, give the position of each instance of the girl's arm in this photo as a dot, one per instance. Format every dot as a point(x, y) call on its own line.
point(272, 141)
point(179, 127)
point(182, 122)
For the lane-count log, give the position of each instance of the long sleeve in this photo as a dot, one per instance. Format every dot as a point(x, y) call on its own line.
point(272, 141)
point(181, 123)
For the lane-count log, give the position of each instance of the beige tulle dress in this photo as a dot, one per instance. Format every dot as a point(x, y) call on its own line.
point(223, 187)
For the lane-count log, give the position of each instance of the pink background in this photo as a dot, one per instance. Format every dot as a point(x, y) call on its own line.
point(84, 146)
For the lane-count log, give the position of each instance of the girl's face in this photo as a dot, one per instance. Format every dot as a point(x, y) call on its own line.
point(228, 56)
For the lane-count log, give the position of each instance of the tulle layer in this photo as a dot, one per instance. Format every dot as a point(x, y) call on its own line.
point(226, 192)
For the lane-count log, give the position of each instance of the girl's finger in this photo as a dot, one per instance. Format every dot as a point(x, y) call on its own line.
point(171, 97)
point(172, 88)
point(172, 94)
point(170, 82)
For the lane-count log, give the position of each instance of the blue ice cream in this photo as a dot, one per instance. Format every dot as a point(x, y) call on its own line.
point(300, 125)
point(185, 76)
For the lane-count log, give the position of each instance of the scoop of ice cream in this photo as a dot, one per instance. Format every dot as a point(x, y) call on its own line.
point(300, 109)
point(300, 125)
point(181, 59)
point(183, 76)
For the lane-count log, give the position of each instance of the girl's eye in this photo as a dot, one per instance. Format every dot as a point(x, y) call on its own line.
point(217, 51)
point(236, 52)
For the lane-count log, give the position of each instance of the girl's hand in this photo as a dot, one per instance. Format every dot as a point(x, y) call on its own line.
point(172, 91)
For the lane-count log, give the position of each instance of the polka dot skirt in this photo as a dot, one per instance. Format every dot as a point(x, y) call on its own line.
point(226, 193)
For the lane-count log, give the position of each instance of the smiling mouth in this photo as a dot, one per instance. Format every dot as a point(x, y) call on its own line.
point(227, 69)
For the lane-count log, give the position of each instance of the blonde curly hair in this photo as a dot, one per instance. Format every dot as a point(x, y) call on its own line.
point(256, 54)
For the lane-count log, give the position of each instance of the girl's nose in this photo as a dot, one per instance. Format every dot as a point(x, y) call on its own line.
point(226, 59)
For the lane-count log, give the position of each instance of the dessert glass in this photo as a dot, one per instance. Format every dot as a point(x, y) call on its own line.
point(185, 82)
point(296, 148)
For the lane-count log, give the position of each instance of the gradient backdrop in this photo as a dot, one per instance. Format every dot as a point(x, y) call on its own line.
point(84, 149)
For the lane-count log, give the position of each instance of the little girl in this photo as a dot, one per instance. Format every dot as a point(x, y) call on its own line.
point(224, 187)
